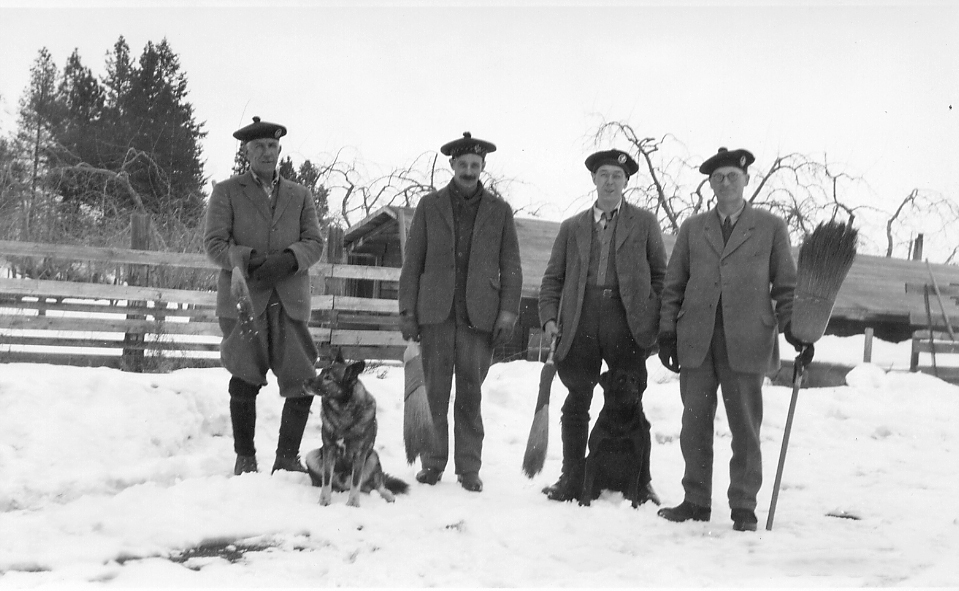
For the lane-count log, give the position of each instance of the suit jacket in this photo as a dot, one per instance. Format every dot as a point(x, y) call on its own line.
point(640, 265)
point(755, 275)
point(239, 221)
point(494, 282)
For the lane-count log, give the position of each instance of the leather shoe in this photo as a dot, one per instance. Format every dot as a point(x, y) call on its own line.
point(244, 464)
point(744, 520)
point(647, 493)
point(569, 487)
point(471, 482)
point(429, 476)
point(289, 464)
point(684, 512)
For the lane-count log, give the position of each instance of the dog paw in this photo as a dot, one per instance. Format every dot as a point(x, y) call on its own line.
point(353, 502)
point(325, 498)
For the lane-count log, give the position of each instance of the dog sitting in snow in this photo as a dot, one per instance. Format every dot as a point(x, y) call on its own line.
point(619, 443)
point(348, 415)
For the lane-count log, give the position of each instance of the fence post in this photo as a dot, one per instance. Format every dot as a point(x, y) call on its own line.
point(867, 348)
point(133, 352)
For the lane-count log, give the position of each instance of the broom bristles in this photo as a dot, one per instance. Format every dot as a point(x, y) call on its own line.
point(419, 433)
point(825, 257)
point(535, 455)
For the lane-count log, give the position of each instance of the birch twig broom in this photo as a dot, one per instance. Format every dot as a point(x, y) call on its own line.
point(825, 258)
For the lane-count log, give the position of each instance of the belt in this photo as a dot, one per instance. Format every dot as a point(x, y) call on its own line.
point(608, 293)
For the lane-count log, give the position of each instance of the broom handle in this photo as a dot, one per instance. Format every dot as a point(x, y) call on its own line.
point(942, 307)
point(797, 380)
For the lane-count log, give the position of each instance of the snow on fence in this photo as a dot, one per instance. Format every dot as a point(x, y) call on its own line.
point(150, 328)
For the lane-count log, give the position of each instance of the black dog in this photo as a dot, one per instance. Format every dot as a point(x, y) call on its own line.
point(349, 431)
point(619, 443)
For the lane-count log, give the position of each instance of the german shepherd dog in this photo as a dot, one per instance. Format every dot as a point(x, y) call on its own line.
point(619, 443)
point(348, 413)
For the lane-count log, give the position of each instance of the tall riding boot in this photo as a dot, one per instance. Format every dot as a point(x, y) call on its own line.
point(243, 417)
point(292, 424)
point(570, 483)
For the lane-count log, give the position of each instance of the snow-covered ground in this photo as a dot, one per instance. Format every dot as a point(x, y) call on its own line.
point(116, 479)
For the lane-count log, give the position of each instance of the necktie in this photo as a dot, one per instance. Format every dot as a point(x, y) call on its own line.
point(727, 229)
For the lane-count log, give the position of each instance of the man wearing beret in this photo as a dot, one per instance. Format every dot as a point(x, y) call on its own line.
point(267, 227)
point(459, 296)
point(729, 287)
point(600, 297)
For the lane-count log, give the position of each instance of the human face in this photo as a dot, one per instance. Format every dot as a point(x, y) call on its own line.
point(728, 183)
point(610, 181)
point(467, 169)
point(263, 155)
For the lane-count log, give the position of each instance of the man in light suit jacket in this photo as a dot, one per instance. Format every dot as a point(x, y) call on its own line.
point(459, 295)
point(729, 288)
point(267, 226)
point(600, 297)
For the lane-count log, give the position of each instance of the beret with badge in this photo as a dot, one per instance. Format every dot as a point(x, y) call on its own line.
point(614, 157)
point(739, 158)
point(467, 145)
point(260, 130)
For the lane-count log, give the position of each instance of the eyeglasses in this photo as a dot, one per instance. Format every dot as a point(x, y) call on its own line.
point(732, 176)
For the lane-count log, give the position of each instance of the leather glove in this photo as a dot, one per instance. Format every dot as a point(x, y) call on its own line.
point(275, 268)
point(806, 350)
point(409, 327)
point(256, 259)
point(503, 329)
point(668, 351)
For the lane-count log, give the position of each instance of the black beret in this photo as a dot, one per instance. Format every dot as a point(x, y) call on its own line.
point(738, 158)
point(258, 130)
point(614, 157)
point(467, 145)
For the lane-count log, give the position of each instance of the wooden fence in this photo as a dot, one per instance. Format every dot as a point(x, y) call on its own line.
point(940, 340)
point(143, 328)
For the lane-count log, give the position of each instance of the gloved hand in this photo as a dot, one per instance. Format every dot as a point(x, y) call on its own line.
point(806, 350)
point(503, 329)
point(256, 259)
point(275, 268)
point(668, 351)
point(409, 327)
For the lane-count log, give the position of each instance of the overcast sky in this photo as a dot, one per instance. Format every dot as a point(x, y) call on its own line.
point(875, 86)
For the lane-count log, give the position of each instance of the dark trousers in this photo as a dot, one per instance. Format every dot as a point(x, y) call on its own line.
point(602, 335)
point(743, 400)
point(450, 348)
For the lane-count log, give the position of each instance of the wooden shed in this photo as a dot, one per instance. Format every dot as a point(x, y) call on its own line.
point(873, 296)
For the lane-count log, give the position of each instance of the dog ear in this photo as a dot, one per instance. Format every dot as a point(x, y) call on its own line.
point(353, 371)
point(339, 356)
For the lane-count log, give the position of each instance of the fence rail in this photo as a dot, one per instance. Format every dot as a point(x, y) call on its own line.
point(155, 328)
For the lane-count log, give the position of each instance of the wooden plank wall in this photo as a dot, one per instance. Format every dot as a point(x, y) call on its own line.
point(90, 324)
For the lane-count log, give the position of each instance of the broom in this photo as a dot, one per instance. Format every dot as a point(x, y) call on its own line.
point(418, 431)
point(535, 454)
point(825, 258)
point(244, 303)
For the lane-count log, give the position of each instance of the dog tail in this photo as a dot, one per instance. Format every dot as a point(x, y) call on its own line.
point(395, 485)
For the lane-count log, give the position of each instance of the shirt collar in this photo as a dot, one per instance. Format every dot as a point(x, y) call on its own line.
point(456, 191)
point(264, 185)
point(733, 217)
point(598, 213)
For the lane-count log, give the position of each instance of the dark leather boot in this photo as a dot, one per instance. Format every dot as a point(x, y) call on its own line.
point(744, 519)
point(296, 411)
point(569, 487)
point(244, 464)
point(288, 463)
point(684, 512)
point(243, 416)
